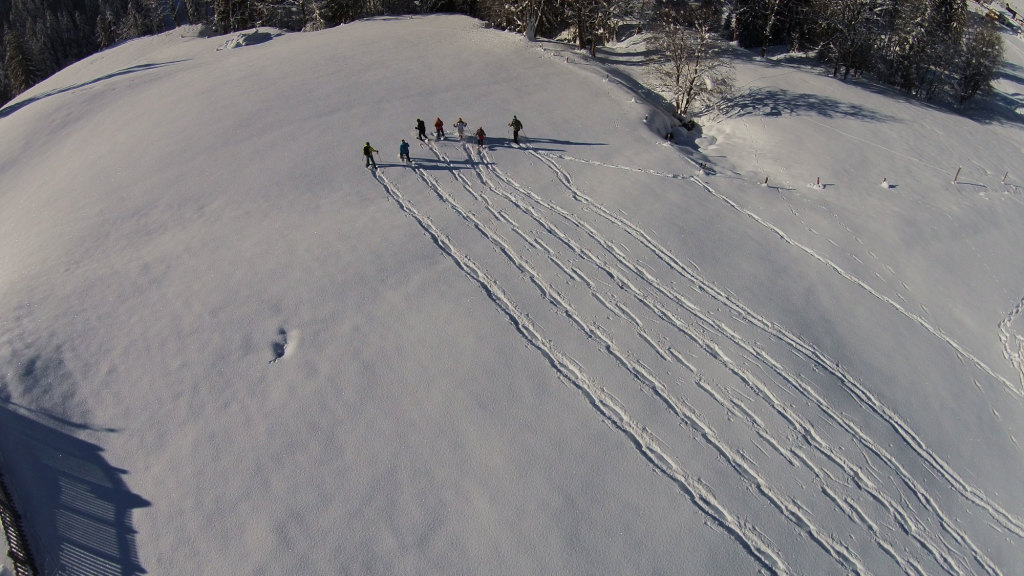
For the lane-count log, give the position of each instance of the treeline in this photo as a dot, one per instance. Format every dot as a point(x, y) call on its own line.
point(931, 49)
point(39, 37)
point(928, 48)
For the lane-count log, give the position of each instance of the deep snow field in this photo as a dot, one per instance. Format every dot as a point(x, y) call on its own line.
point(226, 347)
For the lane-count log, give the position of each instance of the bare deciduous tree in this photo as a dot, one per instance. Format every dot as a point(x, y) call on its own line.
point(848, 30)
point(693, 70)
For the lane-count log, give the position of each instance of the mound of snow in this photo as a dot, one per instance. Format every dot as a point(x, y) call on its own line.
point(251, 38)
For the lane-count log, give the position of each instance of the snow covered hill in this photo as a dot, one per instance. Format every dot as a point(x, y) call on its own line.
point(228, 347)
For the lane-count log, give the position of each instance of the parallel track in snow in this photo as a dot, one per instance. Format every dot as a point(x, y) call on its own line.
point(605, 404)
point(583, 260)
point(1014, 388)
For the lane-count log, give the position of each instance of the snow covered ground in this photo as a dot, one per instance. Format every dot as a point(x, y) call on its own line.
point(228, 347)
point(6, 567)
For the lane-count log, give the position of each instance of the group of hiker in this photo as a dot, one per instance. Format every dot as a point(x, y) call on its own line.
point(421, 134)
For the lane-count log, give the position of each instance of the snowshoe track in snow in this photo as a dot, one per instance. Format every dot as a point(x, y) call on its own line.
point(611, 284)
point(1017, 390)
point(1010, 334)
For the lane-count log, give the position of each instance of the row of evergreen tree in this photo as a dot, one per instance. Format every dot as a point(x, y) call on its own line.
point(925, 47)
point(932, 49)
point(39, 37)
point(928, 48)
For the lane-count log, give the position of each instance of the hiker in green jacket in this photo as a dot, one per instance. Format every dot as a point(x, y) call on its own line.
point(516, 127)
point(368, 151)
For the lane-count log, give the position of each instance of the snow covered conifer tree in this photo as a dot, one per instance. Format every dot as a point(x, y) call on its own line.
point(771, 12)
point(848, 29)
point(754, 21)
point(519, 15)
point(592, 21)
point(16, 63)
point(978, 60)
point(138, 21)
point(232, 15)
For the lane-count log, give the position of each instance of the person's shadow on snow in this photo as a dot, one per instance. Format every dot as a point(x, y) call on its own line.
point(538, 144)
point(75, 507)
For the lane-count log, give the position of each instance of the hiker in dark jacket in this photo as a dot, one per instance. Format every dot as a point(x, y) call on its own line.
point(403, 151)
point(368, 152)
point(516, 127)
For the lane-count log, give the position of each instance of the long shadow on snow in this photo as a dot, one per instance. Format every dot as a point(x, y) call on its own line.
point(998, 108)
point(644, 93)
point(1001, 107)
point(552, 141)
point(610, 59)
point(638, 58)
point(1012, 72)
point(781, 102)
point(423, 164)
point(428, 163)
point(8, 110)
point(76, 507)
point(538, 144)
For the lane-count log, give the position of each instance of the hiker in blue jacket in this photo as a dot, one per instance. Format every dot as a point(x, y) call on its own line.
point(403, 151)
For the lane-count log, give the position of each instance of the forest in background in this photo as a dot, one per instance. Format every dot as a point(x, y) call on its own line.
point(931, 49)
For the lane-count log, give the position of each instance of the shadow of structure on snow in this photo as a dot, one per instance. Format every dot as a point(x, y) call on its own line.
point(76, 508)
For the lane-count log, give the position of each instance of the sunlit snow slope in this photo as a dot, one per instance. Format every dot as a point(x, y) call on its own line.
point(229, 348)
